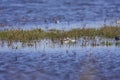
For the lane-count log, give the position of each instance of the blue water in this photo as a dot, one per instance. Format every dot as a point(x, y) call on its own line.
point(70, 13)
point(48, 60)
point(45, 60)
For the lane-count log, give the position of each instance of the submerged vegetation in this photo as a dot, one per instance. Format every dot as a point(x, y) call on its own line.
point(37, 34)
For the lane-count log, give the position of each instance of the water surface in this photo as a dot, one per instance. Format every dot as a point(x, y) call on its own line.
point(46, 60)
point(49, 60)
point(29, 14)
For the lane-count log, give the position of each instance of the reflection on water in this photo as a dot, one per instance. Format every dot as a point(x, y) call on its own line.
point(56, 44)
point(51, 60)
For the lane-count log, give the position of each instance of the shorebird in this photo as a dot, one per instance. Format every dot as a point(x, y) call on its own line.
point(69, 40)
point(57, 21)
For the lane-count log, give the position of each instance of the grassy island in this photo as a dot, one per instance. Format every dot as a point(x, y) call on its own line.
point(37, 34)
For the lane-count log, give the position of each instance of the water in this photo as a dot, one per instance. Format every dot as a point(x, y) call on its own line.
point(29, 14)
point(47, 60)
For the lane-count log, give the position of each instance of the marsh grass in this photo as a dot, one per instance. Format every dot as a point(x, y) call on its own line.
point(37, 34)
